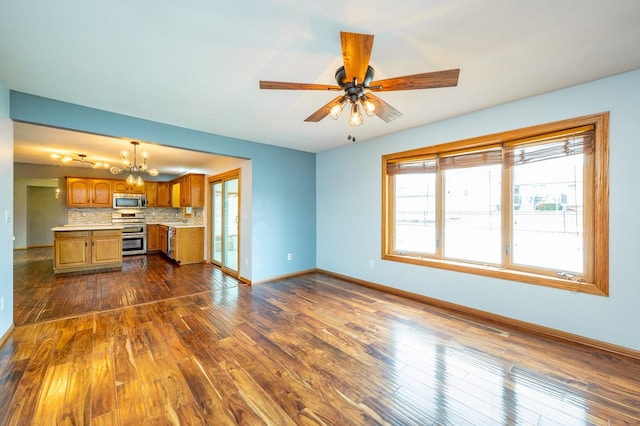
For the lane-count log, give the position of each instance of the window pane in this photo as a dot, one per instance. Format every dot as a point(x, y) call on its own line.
point(216, 229)
point(472, 214)
point(547, 216)
point(230, 224)
point(415, 217)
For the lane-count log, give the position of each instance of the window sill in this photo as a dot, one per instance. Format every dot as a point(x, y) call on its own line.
point(500, 273)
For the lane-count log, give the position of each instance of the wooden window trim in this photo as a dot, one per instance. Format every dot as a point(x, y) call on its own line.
point(596, 192)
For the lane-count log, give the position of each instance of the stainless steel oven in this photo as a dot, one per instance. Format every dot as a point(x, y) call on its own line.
point(134, 244)
point(134, 231)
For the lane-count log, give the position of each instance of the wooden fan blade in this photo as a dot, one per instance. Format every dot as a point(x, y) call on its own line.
point(356, 52)
point(295, 86)
point(324, 110)
point(383, 110)
point(427, 80)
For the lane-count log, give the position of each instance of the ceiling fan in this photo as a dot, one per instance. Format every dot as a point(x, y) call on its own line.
point(355, 78)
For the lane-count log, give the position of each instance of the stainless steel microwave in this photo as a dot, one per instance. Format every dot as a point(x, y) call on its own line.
point(129, 201)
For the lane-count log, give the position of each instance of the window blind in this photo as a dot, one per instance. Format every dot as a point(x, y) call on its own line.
point(533, 151)
point(420, 165)
point(484, 157)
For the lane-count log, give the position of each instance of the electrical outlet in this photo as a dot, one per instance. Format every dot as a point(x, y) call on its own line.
point(371, 264)
point(289, 257)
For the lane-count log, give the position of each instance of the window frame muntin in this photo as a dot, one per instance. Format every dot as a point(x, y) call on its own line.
point(596, 227)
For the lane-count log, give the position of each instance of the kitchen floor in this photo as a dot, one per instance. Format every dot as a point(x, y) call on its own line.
point(39, 295)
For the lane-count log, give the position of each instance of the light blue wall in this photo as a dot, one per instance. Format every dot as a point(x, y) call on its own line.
point(283, 180)
point(349, 236)
point(6, 212)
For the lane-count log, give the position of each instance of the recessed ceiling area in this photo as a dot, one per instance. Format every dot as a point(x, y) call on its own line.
point(197, 64)
point(34, 144)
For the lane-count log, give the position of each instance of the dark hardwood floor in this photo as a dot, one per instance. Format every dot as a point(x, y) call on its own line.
point(162, 344)
point(39, 295)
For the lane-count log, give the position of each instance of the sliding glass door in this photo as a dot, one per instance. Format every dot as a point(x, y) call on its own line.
point(225, 216)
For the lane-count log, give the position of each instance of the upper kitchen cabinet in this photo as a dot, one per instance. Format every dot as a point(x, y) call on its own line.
point(164, 194)
point(151, 190)
point(188, 191)
point(158, 194)
point(122, 187)
point(84, 192)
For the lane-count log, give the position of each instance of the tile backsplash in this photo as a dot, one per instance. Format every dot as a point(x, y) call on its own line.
point(101, 216)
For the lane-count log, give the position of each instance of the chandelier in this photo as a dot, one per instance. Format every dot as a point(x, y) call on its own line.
point(131, 167)
point(81, 158)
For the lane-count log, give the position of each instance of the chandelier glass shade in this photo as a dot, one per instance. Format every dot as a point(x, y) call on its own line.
point(131, 167)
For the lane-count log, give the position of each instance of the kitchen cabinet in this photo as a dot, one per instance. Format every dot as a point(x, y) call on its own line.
point(163, 242)
point(185, 244)
point(153, 241)
point(85, 250)
point(85, 192)
point(71, 250)
point(164, 194)
point(185, 191)
point(106, 247)
point(122, 187)
point(151, 191)
point(188, 191)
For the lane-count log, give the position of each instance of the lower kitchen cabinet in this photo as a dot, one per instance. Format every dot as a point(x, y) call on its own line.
point(75, 251)
point(71, 249)
point(106, 247)
point(185, 244)
point(163, 242)
point(153, 238)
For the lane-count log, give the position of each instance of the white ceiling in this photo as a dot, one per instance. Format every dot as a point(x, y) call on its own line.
point(35, 144)
point(197, 63)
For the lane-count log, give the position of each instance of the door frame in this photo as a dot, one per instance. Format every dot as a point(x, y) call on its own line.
point(211, 180)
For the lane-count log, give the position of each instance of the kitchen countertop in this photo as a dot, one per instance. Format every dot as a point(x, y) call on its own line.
point(86, 228)
point(89, 227)
point(177, 224)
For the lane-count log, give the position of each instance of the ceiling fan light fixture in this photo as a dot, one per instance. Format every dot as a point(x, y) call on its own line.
point(355, 119)
point(335, 110)
point(369, 107)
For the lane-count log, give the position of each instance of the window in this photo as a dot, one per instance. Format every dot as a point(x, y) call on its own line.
point(527, 205)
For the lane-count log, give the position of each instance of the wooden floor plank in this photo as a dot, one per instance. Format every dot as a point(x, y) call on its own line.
point(52, 395)
point(77, 402)
point(103, 385)
point(27, 395)
point(164, 344)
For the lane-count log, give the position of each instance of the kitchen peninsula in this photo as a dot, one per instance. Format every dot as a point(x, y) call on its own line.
point(180, 242)
point(86, 248)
